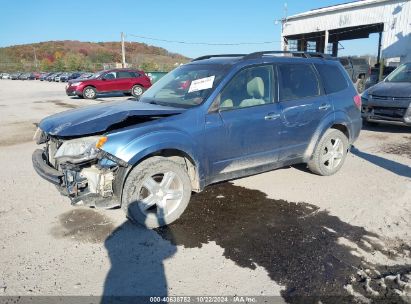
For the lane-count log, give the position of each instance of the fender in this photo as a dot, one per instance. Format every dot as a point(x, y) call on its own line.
point(153, 142)
point(337, 117)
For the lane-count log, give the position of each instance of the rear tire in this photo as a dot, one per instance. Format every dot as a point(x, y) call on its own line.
point(156, 192)
point(137, 90)
point(330, 153)
point(89, 93)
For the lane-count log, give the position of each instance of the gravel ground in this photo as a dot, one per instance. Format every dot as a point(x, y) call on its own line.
point(285, 233)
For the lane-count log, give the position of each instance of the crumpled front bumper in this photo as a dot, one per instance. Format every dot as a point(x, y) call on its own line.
point(44, 170)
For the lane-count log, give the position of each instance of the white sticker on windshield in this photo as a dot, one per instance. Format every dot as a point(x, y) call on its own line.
point(201, 84)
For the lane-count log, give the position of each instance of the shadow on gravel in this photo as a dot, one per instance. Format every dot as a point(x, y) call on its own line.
point(315, 255)
point(136, 254)
point(386, 128)
point(387, 164)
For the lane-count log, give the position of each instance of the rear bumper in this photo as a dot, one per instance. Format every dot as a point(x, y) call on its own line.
point(44, 170)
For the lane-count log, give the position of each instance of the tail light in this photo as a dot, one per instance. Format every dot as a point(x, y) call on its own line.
point(357, 101)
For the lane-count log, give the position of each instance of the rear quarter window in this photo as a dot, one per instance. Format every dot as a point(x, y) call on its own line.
point(332, 78)
point(298, 81)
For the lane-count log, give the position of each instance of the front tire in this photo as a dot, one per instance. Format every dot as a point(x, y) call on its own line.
point(330, 153)
point(156, 192)
point(89, 93)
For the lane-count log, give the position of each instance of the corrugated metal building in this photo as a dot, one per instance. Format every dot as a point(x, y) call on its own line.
point(321, 29)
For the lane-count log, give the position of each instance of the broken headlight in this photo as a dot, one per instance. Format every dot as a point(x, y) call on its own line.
point(84, 148)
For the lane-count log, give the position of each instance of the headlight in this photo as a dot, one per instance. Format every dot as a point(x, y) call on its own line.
point(79, 147)
point(74, 84)
point(364, 96)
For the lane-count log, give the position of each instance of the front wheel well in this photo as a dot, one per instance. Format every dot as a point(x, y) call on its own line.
point(183, 159)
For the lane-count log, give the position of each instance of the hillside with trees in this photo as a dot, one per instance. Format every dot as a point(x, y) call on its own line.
point(85, 56)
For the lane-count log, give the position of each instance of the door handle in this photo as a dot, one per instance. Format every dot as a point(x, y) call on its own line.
point(271, 116)
point(324, 106)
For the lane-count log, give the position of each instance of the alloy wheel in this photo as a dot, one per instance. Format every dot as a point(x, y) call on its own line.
point(161, 194)
point(333, 153)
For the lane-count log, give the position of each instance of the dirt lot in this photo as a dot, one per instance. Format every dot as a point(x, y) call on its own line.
point(285, 233)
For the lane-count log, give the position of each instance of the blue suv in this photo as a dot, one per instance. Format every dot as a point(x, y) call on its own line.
point(216, 118)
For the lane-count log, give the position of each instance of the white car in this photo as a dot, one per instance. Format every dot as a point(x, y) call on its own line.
point(5, 76)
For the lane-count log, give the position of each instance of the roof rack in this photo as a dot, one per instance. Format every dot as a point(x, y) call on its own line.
point(295, 54)
point(257, 55)
point(217, 56)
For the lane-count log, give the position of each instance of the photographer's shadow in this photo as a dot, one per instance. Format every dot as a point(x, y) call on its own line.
point(136, 256)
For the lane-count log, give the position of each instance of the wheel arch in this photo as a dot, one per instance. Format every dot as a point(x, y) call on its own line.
point(173, 151)
point(337, 121)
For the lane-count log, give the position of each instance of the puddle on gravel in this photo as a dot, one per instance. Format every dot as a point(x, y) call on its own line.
point(298, 244)
point(16, 133)
point(84, 225)
point(59, 103)
point(403, 149)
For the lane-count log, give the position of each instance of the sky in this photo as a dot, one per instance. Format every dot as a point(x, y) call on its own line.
point(210, 21)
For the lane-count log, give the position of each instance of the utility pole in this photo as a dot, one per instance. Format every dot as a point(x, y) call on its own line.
point(123, 51)
point(35, 57)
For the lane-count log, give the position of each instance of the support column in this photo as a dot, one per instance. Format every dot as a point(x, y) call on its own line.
point(335, 49)
point(326, 41)
point(380, 60)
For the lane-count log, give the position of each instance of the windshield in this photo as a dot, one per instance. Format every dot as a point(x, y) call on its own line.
point(401, 74)
point(95, 75)
point(187, 86)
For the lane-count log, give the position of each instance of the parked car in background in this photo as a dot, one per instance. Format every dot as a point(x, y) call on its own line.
point(37, 75)
point(50, 77)
point(86, 75)
point(389, 101)
point(128, 81)
point(56, 77)
point(74, 75)
point(24, 76)
point(32, 76)
point(5, 76)
point(44, 76)
point(15, 76)
point(64, 77)
point(375, 73)
point(239, 115)
point(358, 69)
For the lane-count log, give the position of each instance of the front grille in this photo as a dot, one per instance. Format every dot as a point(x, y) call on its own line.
point(389, 98)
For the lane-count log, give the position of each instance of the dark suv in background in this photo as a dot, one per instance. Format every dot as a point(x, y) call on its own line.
point(358, 69)
point(216, 118)
point(128, 81)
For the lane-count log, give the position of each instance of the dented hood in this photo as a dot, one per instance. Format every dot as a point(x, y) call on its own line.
point(391, 89)
point(99, 118)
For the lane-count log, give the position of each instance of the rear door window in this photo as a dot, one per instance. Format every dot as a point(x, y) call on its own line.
point(298, 81)
point(124, 74)
point(332, 78)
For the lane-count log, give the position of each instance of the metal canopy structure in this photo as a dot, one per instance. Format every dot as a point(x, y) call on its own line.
point(322, 29)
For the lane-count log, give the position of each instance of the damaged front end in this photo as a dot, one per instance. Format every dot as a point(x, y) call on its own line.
point(80, 169)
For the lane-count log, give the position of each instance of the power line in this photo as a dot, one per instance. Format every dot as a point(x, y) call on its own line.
point(203, 43)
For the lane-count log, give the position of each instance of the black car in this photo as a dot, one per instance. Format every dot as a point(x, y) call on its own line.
point(390, 100)
point(64, 77)
point(74, 75)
